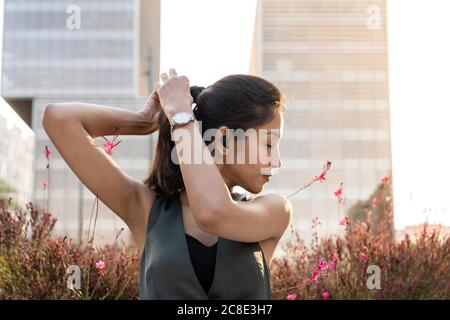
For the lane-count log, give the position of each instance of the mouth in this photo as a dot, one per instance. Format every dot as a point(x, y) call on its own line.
point(267, 177)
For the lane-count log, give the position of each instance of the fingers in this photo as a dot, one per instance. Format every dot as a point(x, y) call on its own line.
point(172, 72)
point(164, 77)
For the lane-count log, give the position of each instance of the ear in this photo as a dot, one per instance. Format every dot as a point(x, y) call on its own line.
point(220, 140)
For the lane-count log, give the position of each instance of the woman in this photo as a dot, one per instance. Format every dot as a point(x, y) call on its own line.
point(198, 239)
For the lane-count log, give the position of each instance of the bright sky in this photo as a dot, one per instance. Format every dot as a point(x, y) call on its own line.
point(419, 58)
point(206, 39)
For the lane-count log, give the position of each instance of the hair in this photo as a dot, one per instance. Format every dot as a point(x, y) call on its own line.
point(238, 101)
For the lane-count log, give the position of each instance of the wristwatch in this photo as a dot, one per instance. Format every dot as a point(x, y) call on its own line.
point(180, 118)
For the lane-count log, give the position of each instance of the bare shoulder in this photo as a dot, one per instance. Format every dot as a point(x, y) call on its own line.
point(279, 206)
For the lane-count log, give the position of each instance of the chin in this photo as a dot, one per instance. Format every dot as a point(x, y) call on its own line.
point(255, 184)
point(255, 189)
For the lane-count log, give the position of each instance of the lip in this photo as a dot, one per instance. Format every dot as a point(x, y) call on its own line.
point(267, 177)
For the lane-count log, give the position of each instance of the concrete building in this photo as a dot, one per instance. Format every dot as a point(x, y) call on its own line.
point(99, 51)
point(16, 156)
point(330, 59)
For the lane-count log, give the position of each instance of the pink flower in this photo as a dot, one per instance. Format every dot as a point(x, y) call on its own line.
point(109, 146)
point(338, 192)
point(291, 296)
point(321, 177)
point(391, 214)
point(363, 256)
point(332, 265)
point(45, 183)
point(385, 179)
point(100, 265)
point(334, 256)
point(344, 221)
point(374, 202)
point(47, 152)
point(322, 264)
point(315, 274)
point(325, 295)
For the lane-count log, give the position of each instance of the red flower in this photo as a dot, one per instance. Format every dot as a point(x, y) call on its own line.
point(291, 296)
point(338, 192)
point(100, 265)
point(334, 256)
point(321, 177)
point(363, 256)
point(45, 183)
point(325, 295)
point(109, 145)
point(47, 152)
point(332, 265)
point(344, 221)
point(385, 179)
point(322, 264)
point(315, 274)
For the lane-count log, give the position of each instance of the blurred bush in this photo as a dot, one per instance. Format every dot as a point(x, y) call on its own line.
point(34, 263)
point(342, 267)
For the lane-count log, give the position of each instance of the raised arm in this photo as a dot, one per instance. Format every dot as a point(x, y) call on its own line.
point(72, 127)
point(260, 219)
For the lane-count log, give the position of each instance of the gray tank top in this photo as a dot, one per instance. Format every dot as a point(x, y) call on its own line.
point(166, 271)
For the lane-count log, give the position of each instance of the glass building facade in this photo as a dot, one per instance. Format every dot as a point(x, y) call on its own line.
point(59, 47)
point(330, 59)
point(99, 51)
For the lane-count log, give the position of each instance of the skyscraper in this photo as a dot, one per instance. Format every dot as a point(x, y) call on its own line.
point(330, 59)
point(98, 51)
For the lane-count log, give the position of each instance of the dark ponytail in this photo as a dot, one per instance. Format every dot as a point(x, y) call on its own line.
point(236, 101)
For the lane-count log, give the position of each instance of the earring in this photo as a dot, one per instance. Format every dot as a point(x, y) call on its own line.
point(224, 142)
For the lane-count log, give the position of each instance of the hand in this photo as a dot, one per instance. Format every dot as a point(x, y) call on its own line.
point(151, 111)
point(174, 94)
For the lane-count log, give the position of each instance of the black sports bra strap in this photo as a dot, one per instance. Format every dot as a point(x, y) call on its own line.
point(240, 196)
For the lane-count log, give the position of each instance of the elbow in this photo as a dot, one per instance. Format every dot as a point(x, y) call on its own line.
point(51, 114)
point(47, 113)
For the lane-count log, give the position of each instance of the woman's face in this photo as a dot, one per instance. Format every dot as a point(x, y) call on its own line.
point(255, 157)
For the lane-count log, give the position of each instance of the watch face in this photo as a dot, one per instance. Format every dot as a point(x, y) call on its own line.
point(181, 117)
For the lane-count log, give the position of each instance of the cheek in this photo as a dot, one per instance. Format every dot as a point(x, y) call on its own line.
point(252, 153)
point(248, 162)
